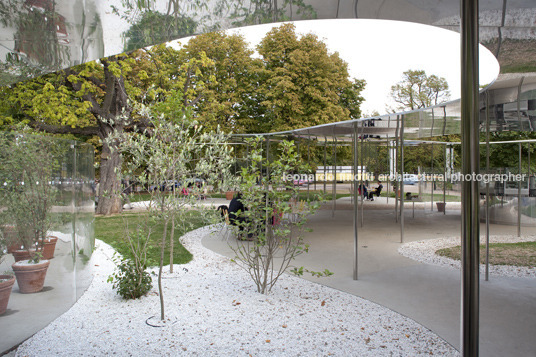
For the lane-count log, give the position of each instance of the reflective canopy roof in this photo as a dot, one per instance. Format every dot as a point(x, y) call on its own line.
point(40, 36)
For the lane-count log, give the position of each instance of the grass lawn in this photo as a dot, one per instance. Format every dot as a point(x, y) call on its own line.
point(145, 196)
point(518, 254)
point(112, 230)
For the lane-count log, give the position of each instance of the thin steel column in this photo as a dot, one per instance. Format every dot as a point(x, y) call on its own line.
point(247, 154)
point(433, 182)
point(388, 180)
point(308, 162)
point(268, 158)
point(470, 165)
point(445, 182)
point(325, 162)
point(361, 174)
point(356, 210)
point(487, 186)
point(402, 179)
point(397, 172)
point(519, 196)
point(334, 188)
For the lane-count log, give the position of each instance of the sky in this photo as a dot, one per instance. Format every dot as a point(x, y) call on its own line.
point(379, 51)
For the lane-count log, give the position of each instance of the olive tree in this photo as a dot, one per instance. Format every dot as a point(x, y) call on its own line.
point(170, 158)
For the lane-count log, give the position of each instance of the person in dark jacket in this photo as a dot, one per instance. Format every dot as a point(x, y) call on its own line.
point(376, 191)
point(236, 214)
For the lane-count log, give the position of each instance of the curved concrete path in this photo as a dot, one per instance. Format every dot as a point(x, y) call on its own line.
point(428, 294)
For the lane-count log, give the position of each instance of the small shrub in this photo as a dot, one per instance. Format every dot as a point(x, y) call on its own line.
point(130, 281)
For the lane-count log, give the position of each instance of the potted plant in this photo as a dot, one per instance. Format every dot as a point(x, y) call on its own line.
point(28, 196)
point(6, 280)
point(229, 195)
point(441, 206)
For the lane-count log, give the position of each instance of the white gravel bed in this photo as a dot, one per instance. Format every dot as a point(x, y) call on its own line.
point(424, 251)
point(213, 309)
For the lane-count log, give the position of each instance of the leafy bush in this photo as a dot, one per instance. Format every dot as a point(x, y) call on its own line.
point(272, 223)
point(130, 280)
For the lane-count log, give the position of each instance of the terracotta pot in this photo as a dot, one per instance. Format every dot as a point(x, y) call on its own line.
point(13, 247)
point(48, 247)
point(229, 195)
point(441, 206)
point(30, 277)
point(22, 254)
point(10, 233)
point(5, 291)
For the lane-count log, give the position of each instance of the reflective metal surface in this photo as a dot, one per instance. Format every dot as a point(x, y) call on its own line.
point(72, 214)
point(41, 36)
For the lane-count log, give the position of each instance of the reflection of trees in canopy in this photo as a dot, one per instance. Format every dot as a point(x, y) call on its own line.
point(154, 27)
point(157, 22)
point(83, 100)
point(42, 39)
point(254, 12)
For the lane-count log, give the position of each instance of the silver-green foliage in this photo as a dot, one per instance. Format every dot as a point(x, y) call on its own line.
point(272, 224)
point(27, 192)
point(173, 152)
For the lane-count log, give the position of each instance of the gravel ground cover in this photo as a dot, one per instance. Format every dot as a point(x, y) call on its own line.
point(213, 309)
point(424, 251)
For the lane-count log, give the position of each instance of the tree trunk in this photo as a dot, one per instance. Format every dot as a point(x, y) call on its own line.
point(109, 186)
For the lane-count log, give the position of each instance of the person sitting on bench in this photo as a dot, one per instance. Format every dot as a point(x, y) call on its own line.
point(376, 191)
point(236, 215)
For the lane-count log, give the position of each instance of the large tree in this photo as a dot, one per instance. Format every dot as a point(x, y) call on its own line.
point(418, 90)
point(227, 100)
point(302, 84)
point(84, 100)
point(96, 98)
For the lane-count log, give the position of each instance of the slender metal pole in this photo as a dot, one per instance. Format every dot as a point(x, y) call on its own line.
point(487, 186)
point(519, 196)
point(308, 162)
point(445, 182)
point(470, 165)
point(356, 209)
point(361, 175)
point(528, 177)
point(268, 158)
point(247, 154)
point(433, 182)
point(402, 179)
point(325, 162)
point(334, 188)
point(397, 165)
point(389, 153)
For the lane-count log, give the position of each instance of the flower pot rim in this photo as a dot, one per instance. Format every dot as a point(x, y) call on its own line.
point(5, 276)
point(27, 261)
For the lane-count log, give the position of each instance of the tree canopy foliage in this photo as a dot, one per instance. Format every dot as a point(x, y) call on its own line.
point(418, 90)
point(295, 83)
point(301, 84)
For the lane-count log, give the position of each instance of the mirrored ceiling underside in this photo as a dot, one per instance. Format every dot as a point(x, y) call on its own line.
point(41, 36)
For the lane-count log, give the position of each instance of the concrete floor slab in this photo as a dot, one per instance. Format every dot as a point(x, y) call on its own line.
point(425, 293)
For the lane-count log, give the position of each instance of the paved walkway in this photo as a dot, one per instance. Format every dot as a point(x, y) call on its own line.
point(428, 294)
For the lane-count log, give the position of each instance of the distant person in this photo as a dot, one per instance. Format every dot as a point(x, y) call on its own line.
point(363, 190)
point(127, 190)
point(376, 191)
point(236, 213)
